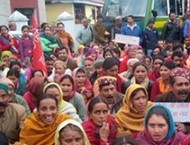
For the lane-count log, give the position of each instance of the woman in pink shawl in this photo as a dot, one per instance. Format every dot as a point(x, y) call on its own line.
point(159, 128)
point(82, 83)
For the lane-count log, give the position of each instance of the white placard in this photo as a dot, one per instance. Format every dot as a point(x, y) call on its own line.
point(124, 39)
point(180, 111)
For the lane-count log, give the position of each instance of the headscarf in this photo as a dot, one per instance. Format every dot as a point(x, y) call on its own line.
point(6, 53)
point(7, 81)
point(37, 132)
point(87, 83)
point(35, 86)
point(171, 124)
point(64, 124)
point(172, 138)
point(127, 118)
point(61, 103)
point(68, 98)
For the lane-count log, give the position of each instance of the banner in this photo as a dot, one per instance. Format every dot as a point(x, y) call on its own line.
point(124, 39)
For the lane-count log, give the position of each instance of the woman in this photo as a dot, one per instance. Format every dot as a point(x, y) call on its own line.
point(60, 69)
point(130, 117)
point(63, 106)
point(26, 45)
point(35, 90)
point(140, 77)
point(162, 85)
point(159, 128)
point(8, 42)
point(100, 127)
point(81, 81)
point(70, 132)
point(40, 127)
point(107, 53)
point(5, 60)
point(18, 79)
point(65, 37)
point(37, 73)
point(48, 41)
point(66, 83)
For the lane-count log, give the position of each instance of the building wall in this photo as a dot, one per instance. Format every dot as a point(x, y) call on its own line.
point(88, 12)
point(39, 10)
point(53, 10)
point(5, 11)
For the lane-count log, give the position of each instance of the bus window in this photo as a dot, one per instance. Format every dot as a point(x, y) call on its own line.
point(161, 7)
point(133, 7)
point(124, 8)
point(176, 6)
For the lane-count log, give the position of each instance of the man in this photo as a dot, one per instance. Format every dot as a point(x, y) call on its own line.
point(117, 29)
point(49, 65)
point(89, 66)
point(178, 59)
point(99, 31)
point(108, 92)
point(171, 31)
point(85, 35)
point(180, 92)
point(150, 37)
point(13, 97)
point(11, 115)
point(62, 54)
point(132, 29)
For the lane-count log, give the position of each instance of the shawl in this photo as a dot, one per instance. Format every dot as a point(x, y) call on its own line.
point(35, 86)
point(172, 138)
point(93, 134)
point(87, 83)
point(37, 132)
point(61, 103)
point(128, 119)
point(64, 124)
point(164, 88)
point(144, 83)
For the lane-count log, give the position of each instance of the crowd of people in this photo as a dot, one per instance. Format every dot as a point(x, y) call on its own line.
point(104, 93)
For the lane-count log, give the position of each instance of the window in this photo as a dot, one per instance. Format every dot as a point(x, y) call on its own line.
point(79, 12)
point(161, 7)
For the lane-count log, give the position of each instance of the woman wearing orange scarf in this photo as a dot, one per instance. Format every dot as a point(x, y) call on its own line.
point(130, 117)
point(40, 127)
point(162, 85)
point(65, 37)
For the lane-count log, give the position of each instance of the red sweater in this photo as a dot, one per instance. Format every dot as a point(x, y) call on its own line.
point(92, 132)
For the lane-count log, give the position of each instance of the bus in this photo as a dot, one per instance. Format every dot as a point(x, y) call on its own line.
point(143, 10)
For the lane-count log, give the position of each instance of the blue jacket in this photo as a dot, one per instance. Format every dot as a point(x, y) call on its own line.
point(150, 38)
point(126, 30)
point(186, 28)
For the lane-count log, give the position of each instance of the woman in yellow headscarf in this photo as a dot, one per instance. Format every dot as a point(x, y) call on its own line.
point(5, 56)
point(130, 117)
point(63, 106)
point(69, 132)
point(39, 128)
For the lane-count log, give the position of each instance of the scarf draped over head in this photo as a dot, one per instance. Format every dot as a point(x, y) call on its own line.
point(36, 132)
point(171, 124)
point(61, 103)
point(64, 124)
point(144, 83)
point(87, 83)
point(128, 119)
point(6, 53)
point(35, 86)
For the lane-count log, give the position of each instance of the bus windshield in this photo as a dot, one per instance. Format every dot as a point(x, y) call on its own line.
point(124, 8)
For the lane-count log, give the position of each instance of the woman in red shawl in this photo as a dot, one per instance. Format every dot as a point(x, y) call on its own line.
point(101, 127)
point(8, 42)
point(35, 90)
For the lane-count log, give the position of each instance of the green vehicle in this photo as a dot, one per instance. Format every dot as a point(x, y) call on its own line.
point(143, 10)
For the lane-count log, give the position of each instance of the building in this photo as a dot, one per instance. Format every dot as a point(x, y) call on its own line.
point(26, 7)
point(78, 8)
